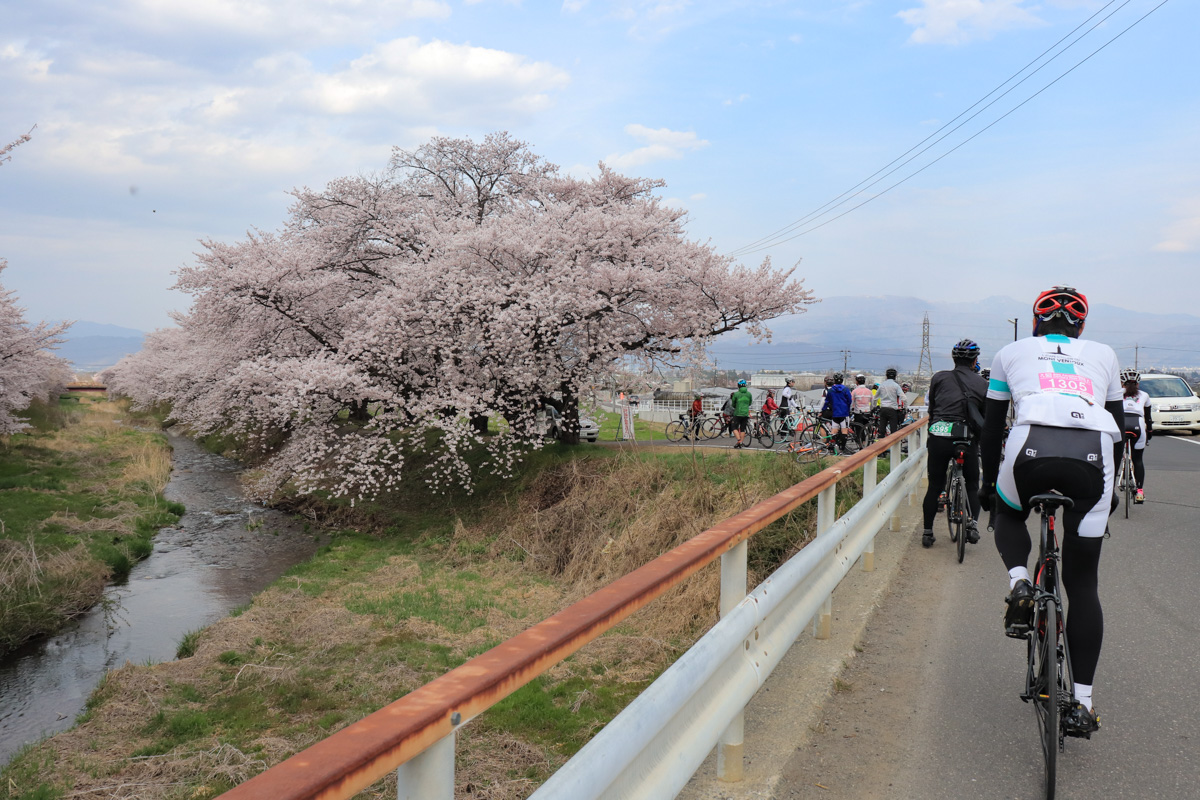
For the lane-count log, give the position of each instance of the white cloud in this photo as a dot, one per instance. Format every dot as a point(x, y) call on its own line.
point(1183, 235)
point(961, 21)
point(741, 98)
point(661, 144)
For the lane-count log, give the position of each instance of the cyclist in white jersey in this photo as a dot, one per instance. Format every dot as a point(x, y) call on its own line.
point(1066, 437)
point(1137, 425)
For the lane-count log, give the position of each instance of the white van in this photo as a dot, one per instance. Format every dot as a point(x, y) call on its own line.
point(1173, 404)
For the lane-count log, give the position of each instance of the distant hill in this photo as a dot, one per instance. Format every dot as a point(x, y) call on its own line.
point(884, 331)
point(92, 346)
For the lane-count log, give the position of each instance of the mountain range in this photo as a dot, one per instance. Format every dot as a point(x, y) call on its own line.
point(92, 346)
point(882, 331)
point(862, 333)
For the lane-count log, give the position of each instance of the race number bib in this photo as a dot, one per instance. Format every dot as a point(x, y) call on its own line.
point(942, 428)
point(1066, 383)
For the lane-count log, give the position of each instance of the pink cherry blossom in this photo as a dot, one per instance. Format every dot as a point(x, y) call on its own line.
point(393, 315)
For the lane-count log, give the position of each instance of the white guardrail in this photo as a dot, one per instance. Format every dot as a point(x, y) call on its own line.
point(653, 747)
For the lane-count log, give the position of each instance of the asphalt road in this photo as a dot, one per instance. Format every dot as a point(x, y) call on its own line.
point(934, 711)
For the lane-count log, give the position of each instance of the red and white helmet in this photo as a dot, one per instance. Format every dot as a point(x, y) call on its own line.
point(1062, 301)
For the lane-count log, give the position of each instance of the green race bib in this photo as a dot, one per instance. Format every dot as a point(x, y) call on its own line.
point(942, 427)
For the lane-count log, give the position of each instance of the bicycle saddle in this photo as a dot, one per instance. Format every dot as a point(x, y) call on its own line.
point(1051, 501)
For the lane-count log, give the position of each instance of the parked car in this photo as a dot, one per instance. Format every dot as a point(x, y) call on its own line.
point(1174, 406)
point(550, 421)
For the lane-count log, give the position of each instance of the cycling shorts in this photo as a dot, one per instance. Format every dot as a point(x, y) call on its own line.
point(1133, 425)
point(1075, 462)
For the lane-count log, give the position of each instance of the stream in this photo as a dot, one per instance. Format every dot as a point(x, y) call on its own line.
point(222, 552)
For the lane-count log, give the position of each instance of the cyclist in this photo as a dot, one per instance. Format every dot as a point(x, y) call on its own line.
point(787, 399)
point(861, 401)
point(741, 400)
point(1066, 437)
point(696, 415)
point(837, 408)
point(948, 397)
point(1138, 425)
point(769, 407)
point(890, 400)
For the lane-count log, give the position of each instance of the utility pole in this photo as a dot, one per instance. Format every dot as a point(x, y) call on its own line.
point(845, 361)
point(1135, 355)
point(1014, 322)
point(926, 359)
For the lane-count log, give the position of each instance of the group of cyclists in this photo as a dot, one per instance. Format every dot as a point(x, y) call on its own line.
point(1072, 409)
point(880, 406)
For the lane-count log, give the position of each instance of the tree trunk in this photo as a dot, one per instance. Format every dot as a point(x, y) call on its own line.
point(570, 415)
point(359, 412)
point(479, 423)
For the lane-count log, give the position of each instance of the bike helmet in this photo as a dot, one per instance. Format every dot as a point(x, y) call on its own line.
point(905, 387)
point(891, 372)
point(838, 377)
point(1130, 375)
point(742, 382)
point(860, 379)
point(965, 349)
point(1063, 301)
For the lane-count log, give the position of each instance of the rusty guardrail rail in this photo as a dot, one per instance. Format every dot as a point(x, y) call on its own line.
point(415, 734)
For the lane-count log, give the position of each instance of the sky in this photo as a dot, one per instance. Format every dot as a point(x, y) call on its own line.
point(162, 124)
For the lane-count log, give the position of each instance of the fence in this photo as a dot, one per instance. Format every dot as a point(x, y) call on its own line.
point(653, 747)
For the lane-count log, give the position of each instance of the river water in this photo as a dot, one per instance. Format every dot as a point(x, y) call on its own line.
point(222, 552)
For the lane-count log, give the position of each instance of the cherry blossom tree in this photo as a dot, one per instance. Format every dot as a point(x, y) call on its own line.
point(27, 369)
point(394, 315)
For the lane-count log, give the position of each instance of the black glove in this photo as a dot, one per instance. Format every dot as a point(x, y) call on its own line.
point(987, 492)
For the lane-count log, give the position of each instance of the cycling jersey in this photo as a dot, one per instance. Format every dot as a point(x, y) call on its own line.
point(889, 395)
point(837, 401)
point(860, 400)
point(1058, 381)
point(1135, 412)
point(785, 398)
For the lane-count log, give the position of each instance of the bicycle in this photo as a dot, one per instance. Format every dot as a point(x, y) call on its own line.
point(762, 430)
point(684, 428)
point(1049, 679)
point(813, 442)
point(958, 510)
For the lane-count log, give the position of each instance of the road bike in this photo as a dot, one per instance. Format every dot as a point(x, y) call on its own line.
point(864, 429)
point(685, 428)
point(958, 510)
point(763, 429)
point(1049, 680)
point(813, 442)
point(1128, 484)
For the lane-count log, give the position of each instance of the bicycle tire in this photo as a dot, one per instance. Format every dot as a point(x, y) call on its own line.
point(1127, 476)
point(764, 434)
point(959, 500)
point(807, 448)
point(948, 493)
point(712, 427)
point(675, 431)
point(1046, 700)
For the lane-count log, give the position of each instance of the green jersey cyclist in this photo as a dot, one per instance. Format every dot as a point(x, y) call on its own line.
point(1066, 437)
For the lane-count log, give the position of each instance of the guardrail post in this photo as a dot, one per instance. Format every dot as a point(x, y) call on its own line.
point(870, 480)
point(731, 745)
point(826, 514)
point(894, 457)
point(429, 776)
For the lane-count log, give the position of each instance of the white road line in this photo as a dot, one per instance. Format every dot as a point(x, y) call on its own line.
point(1189, 440)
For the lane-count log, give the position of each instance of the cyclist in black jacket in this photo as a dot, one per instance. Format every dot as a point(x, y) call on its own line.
point(949, 393)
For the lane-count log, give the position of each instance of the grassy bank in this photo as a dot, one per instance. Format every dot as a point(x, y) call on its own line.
point(409, 587)
point(80, 499)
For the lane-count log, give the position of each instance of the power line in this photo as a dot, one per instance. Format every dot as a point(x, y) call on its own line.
point(766, 242)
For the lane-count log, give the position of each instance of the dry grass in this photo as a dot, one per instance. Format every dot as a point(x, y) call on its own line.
point(579, 526)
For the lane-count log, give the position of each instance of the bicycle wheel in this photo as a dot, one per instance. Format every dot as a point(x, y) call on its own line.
point(1046, 697)
point(712, 427)
point(958, 504)
point(807, 447)
point(948, 505)
point(764, 434)
point(1127, 477)
point(676, 430)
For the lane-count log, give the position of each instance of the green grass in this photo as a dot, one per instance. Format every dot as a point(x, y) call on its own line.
point(77, 493)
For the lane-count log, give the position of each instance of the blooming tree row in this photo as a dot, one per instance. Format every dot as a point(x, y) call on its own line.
point(28, 370)
point(393, 316)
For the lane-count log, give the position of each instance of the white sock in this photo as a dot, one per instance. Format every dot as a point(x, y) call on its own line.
point(1017, 574)
point(1083, 693)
